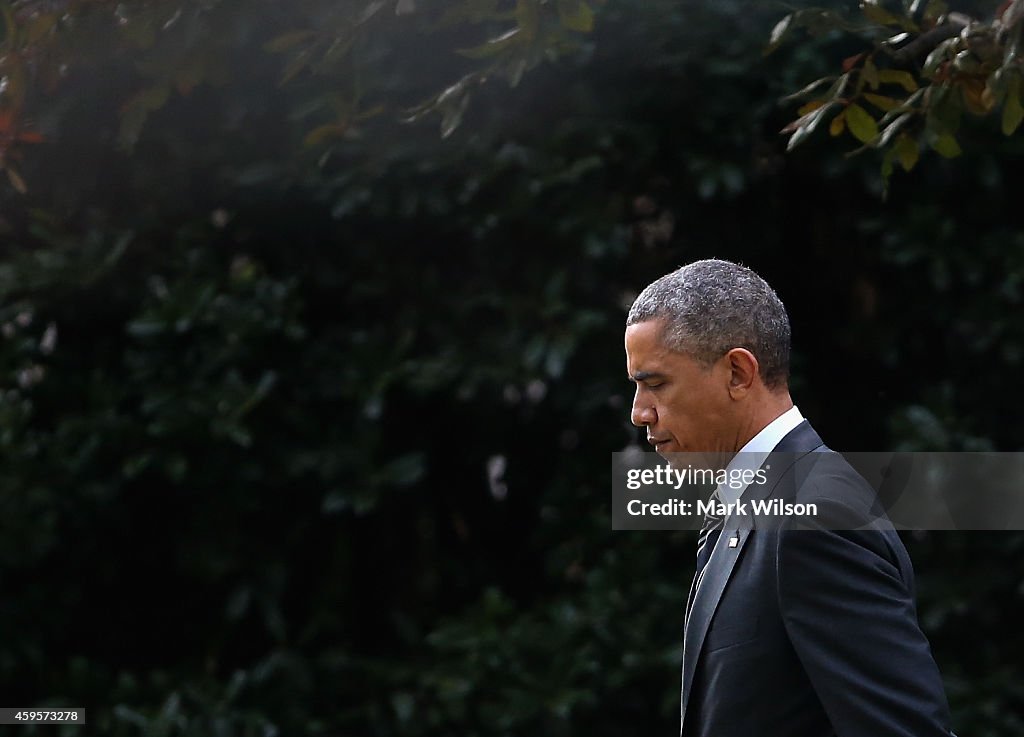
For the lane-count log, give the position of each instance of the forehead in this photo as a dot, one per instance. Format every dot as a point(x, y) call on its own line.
point(644, 347)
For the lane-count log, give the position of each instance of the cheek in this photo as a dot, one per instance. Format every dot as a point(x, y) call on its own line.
point(675, 416)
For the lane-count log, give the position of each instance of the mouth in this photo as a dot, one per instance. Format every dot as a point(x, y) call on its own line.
point(657, 443)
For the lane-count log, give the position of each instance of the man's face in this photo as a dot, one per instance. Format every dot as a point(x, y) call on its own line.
point(684, 406)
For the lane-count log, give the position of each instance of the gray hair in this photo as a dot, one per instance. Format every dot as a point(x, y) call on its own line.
point(712, 306)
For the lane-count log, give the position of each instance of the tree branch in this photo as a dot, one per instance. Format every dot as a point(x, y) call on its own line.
point(924, 43)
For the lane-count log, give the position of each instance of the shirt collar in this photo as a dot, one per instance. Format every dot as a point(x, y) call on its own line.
point(766, 440)
point(757, 449)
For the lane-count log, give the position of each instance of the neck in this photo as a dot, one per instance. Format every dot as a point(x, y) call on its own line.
point(770, 407)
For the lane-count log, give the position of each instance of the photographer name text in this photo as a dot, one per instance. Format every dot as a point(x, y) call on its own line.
point(757, 507)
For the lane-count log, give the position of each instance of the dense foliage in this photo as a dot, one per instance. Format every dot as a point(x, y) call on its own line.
point(306, 430)
point(924, 68)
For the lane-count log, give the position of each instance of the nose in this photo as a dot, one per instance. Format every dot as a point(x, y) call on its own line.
point(642, 414)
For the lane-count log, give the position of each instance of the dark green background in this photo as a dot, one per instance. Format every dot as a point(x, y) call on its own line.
point(247, 493)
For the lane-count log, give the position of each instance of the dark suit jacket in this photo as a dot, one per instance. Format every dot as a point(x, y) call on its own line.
point(810, 633)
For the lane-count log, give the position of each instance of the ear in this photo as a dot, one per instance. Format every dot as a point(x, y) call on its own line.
point(744, 372)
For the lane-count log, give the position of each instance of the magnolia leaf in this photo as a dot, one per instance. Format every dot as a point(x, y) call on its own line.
point(295, 65)
point(809, 88)
point(878, 15)
point(39, 27)
point(851, 61)
point(894, 76)
point(1013, 14)
point(946, 145)
point(494, 46)
point(451, 115)
point(779, 33)
point(800, 122)
point(803, 127)
point(881, 101)
point(810, 107)
point(324, 133)
point(945, 109)
point(907, 152)
point(935, 9)
point(370, 113)
point(286, 41)
point(975, 100)
point(371, 10)
point(16, 181)
point(907, 106)
point(527, 14)
point(938, 56)
point(154, 97)
point(576, 15)
point(861, 124)
point(869, 74)
point(1013, 112)
point(838, 124)
point(797, 138)
point(887, 167)
point(890, 130)
point(29, 137)
point(10, 26)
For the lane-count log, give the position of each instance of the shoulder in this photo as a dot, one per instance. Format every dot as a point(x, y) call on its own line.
point(843, 498)
point(848, 521)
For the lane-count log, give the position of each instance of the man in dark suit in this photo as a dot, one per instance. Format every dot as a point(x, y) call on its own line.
point(788, 632)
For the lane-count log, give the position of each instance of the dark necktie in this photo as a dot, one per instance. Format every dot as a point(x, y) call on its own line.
point(709, 533)
point(706, 540)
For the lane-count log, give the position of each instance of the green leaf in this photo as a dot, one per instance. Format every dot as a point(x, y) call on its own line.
point(810, 107)
point(894, 76)
point(145, 327)
point(907, 152)
point(945, 109)
point(907, 106)
point(779, 33)
point(869, 74)
point(155, 97)
point(1013, 112)
point(861, 124)
point(371, 10)
point(938, 55)
point(39, 27)
point(946, 145)
point(838, 125)
point(879, 15)
point(887, 168)
point(935, 9)
point(528, 16)
point(323, 133)
point(890, 130)
point(16, 181)
point(1013, 14)
point(576, 15)
point(494, 46)
point(295, 65)
point(804, 126)
point(809, 88)
point(451, 114)
point(286, 41)
point(404, 470)
point(10, 26)
point(881, 101)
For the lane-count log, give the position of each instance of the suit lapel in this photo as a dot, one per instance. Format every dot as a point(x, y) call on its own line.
point(735, 534)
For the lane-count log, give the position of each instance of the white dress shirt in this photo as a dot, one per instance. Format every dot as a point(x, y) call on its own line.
point(757, 450)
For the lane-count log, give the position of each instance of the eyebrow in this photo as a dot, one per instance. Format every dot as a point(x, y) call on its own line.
point(644, 376)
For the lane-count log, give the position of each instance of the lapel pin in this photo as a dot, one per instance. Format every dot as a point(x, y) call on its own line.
point(734, 541)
